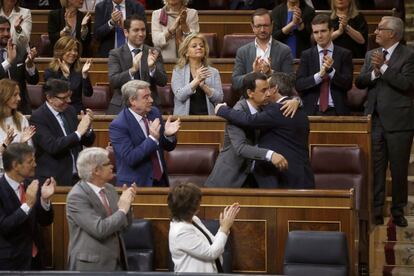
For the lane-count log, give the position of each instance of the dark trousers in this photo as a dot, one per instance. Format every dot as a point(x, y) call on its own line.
point(393, 147)
point(331, 111)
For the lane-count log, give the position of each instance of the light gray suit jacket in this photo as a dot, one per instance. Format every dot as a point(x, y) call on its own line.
point(95, 241)
point(119, 63)
point(280, 55)
point(180, 84)
point(235, 159)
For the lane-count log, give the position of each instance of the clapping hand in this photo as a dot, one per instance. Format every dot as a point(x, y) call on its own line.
point(228, 216)
point(86, 19)
point(27, 133)
point(171, 128)
point(152, 57)
point(48, 188)
point(377, 60)
point(10, 134)
point(11, 51)
point(297, 16)
point(154, 128)
point(86, 67)
point(64, 67)
point(31, 55)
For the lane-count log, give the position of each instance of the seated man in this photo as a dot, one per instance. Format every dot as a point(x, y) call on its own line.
point(287, 136)
point(134, 60)
point(96, 216)
point(234, 166)
point(59, 137)
point(139, 138)
point(23, 208)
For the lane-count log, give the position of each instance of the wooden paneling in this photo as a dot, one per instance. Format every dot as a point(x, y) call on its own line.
point(259, 233)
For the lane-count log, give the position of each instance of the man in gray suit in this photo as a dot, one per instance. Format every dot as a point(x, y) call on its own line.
point(388, 73)
point(134, 60)
point(233, 167)
point(96, 216)
point(264, 55)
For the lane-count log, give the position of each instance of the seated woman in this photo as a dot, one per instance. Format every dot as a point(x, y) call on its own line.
point(70, 21)
point(196, 85)
point(351, 28)
point(65, 65)
point(171, 24)
point(14, 127)
point(292, 25)
point(193, 247)
point(20, 21)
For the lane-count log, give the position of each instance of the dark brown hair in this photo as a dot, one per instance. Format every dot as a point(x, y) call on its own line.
point(184, 201)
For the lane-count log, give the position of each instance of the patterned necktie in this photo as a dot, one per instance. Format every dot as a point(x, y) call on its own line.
point(104, 200)
point(22, 197)
point(136, 51)
point(324, 90)
point(119, 32)
point(65, 123)
point(156, 168)
point(385, 53)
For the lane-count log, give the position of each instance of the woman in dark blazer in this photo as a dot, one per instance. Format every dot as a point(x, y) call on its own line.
point(69, 21)
point(65, 65)
point(292, 25)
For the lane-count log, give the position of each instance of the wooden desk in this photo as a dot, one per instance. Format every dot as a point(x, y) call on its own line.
point(259, 233)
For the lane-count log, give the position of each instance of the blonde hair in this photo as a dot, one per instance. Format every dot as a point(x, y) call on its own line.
point(182, 51)
point(62, 46)
point(352, 9)
point(7, 88)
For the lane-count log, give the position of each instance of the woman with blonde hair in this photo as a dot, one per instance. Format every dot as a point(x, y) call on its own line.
point(14, 127)
point(196, 85)
point(171, 24)
point(350, 27)
point(65, 65)
point(70, 21)
point(20, 21)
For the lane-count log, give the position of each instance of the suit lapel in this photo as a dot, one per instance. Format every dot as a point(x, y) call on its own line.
point(52, 120)
point(9, 194)
point(126, 57)
point(396, 55)
point(315, 58)
point(144, 72)
point(134, 127)
point(94, 199)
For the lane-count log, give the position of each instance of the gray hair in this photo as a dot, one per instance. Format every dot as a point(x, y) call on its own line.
point(129, 90)
point(185, 2)
point(89, 159)
point(284, 83)
point(397, 26)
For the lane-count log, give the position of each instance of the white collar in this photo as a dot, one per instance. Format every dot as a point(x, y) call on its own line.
point(56, 113)
point(252, 109)
point(330, 48)
point(122, 4)
point(13, 183)
point(391, 49)
point(136, 115)
point(269, 43)
point(281, 99)
point(95, 188)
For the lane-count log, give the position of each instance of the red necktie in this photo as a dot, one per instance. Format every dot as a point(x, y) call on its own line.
point(104, 200)
point(156, 168)
point(324, 90)
point(22, 195)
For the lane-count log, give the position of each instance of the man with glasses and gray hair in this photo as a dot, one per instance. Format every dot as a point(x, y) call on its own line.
point(59, 136)
point(388, 74)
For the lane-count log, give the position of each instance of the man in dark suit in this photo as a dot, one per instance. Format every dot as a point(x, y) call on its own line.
point(265, 54)
point(17, 64)
point(325, 73)
point(134, 60)
point(388, 73)
point(59, 137)
point(287, 136)
point(139, 138)
point(23, 208)
point(109, 22)
point(97, 215)
point(234, 165)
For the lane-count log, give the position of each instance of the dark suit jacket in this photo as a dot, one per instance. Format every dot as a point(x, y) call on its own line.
point(279, 16)
point(53, 148)
point(17, 72)
point(77, 85)
point(18, 231)
point(391, 95)
point(102, 32)
point(133, 149)
point(56, 22)
point(287, 136)
point(339, 85)
point(119, 63)
point(94, 237)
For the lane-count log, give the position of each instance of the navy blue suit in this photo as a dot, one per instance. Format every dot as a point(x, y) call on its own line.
point(18, 231)
point(102, 32)
point(133, 149)
point(287, 136)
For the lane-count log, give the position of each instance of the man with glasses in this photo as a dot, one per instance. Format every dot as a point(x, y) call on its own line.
point(264, 55)
point(59, 137)
point(388, 74)
point(325, 72)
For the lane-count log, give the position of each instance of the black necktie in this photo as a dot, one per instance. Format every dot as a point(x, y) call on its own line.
point(385, 53)
point(217, 261)
point(2, 50)
point(136, 51)
point(65, 123)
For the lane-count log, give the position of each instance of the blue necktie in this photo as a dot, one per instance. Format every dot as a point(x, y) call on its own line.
point(119, 32)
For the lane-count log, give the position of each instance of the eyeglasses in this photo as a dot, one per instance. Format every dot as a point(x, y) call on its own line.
point(264, 26)
point(383, 29)
point(65, 98)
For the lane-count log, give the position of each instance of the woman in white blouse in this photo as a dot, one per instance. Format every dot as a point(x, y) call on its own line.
point(171, 24)
point(20, 21)
point(193, 247)
point(14, 127)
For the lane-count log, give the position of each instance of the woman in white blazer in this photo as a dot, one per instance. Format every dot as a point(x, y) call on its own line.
point(193, 248)
point(20, 21)
point(196, 85)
